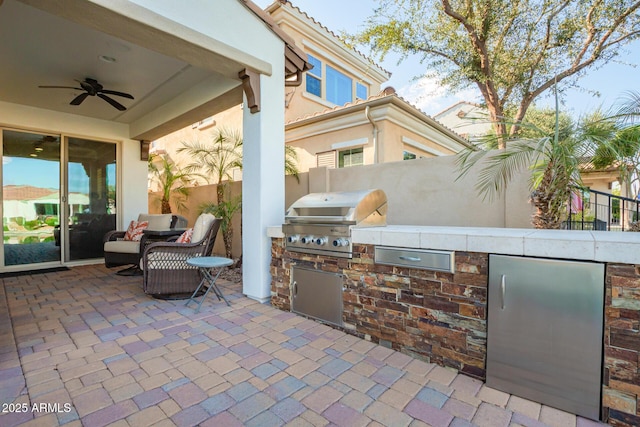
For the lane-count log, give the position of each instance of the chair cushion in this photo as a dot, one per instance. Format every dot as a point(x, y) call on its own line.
point(122, 246)
point(156, 221)
point(185, 237)
point(135, 230)
point(201, 227)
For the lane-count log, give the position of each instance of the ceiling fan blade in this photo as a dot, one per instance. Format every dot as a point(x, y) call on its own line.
point(60, 87)
point(113, 102)
point(78, 99)
point(113, 92)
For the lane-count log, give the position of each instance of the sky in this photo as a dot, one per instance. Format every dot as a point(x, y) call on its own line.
point(610, 81)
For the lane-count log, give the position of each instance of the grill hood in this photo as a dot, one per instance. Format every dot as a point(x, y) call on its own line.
point(359, 208)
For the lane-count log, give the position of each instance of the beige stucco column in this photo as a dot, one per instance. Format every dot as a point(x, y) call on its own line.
point(262, 181)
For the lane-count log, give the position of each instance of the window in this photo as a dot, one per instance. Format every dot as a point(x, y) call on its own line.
point(361, 91)
point(348, 158)
point(339, 87)
point(314, 77)
point(408, 155)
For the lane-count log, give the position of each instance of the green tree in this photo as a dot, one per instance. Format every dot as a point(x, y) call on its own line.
point(225, 211)
point(620, 141)
point(172, 181)
point(291, 162)
point(553, 156)
point(217, 159)
point(512, 51)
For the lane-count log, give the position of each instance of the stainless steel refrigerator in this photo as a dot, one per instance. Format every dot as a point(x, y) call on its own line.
point(545, 331)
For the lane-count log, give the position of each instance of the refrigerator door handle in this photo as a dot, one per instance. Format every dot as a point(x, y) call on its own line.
point(503, 288)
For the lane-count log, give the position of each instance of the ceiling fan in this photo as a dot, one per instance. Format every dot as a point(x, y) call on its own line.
point(92, 87)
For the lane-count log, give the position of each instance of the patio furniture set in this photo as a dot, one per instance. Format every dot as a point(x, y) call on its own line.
point(174, 261)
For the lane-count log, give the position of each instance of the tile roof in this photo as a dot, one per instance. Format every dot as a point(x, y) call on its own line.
point(26, 192)
point(327, 30)
point(387, 95)
point(295, 57)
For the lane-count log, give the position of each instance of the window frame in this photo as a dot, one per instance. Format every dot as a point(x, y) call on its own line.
point(314, 74)
point(338, 77)
point(406, 155)
point(365, 88)
point(349, 152)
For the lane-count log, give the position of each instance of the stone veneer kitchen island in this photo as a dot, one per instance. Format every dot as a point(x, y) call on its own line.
point(441, 317)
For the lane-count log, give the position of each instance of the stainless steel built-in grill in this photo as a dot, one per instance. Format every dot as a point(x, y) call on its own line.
point(321, 223)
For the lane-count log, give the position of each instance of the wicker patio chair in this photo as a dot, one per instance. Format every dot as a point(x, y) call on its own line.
point(166, 272)
point(122, 252)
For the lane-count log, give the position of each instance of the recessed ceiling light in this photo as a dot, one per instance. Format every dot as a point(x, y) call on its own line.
point(38, 149)
point(109, 59)
point(33, 155)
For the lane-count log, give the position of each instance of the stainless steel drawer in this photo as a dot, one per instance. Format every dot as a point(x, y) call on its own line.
point(416, 258)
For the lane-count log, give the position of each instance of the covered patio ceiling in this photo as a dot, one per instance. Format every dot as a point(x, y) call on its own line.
point(176, 75)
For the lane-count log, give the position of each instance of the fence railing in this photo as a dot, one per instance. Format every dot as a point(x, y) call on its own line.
point(596, 210)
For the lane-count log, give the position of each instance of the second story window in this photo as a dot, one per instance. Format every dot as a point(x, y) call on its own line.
point(361, 91)
point(339, 87)
point(314, 77)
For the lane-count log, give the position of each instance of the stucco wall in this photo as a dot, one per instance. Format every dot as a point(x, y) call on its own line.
point(426, 192)
point(419, 192)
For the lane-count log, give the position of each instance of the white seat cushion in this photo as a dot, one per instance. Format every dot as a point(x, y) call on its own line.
point(156, 221)
point(122, 246)
point(201, 227)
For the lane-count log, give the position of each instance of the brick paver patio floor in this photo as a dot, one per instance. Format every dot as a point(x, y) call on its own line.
point(90, 348)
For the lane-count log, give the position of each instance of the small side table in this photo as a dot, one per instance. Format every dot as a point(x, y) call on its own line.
point(206, 264)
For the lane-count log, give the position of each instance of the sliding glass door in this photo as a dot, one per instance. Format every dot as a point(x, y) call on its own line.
point(30, 197)
point(58, 198)
point(91, 199)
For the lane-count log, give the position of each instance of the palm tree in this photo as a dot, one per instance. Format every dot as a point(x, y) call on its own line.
point(291, 162)
point(172, 181)
point(621, 142)
point(553, 157)
point(225, 210)
point(218, 159)
point(556, 155)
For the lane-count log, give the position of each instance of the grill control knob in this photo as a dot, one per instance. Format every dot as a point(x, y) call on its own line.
point(293, 238)
point(320, 241)
point(307, 240)
point(340, 242)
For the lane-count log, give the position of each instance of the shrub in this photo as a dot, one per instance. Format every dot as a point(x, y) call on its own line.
point(32, 225)
point(51, 221)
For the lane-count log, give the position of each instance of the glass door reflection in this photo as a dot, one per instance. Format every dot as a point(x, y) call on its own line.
point(91, 198)
point(30, 197)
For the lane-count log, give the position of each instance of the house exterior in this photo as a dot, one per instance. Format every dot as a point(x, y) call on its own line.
point(339, 116)
point(468, 119)
point(176, 68)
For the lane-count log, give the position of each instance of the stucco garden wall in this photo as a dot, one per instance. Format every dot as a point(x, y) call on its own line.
point(419, 192)
point(426, 192)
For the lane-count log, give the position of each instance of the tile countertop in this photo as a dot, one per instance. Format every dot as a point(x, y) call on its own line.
point(603, 246)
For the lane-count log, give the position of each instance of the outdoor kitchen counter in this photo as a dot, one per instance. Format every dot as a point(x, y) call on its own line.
point(602, 246)
point(442, 317)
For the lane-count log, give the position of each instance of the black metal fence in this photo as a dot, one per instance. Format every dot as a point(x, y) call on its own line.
point(596, 210)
